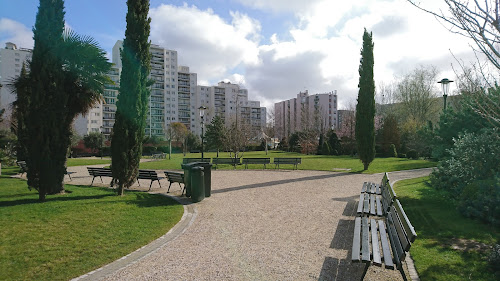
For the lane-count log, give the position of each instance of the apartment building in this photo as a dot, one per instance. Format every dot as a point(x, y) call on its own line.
point(11, 63)
point(229, 101)
point(318, 112)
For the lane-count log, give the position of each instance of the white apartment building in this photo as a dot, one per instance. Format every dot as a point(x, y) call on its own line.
point(175, 97)
point(11, 63)
point(318, 111)
point(229, 100)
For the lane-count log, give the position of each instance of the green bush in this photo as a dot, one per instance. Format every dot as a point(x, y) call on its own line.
point(481, 200)
point(412, 154)
point(494, 259)
point(473, 157)
point(393, 150)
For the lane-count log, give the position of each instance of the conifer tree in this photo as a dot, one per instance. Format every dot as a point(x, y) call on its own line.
point(132, 104)
point(66, 78)
point(365, 108)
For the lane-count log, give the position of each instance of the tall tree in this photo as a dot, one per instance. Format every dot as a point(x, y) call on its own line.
point(365, 109)
point(132, 104)
point(94, 141)
point(67, 74)
point(179, 134)
point(20, 112)
point(215, 134)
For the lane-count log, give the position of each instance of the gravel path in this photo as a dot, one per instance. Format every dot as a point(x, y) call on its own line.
point(263, 225)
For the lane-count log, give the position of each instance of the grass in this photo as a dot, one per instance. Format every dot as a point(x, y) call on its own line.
point(309, 162)
point(87, 161)
point(72, 234)
point(439, 225)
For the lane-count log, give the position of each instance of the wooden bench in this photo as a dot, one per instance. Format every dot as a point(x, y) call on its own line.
point(226, 161)
point(291, 161)
point(191, 160)
point(99, 172)
point(261, 161)
point(24, 169)
point(22, 165)
point(383, 240)
point(148, 175)
point(376, 199)
point(175, 177)
point(158, 156)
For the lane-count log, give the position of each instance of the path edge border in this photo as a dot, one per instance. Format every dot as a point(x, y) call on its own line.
point(187, 219)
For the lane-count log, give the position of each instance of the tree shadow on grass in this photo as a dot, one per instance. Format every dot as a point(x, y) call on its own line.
point(53, 199)
point(278, 182)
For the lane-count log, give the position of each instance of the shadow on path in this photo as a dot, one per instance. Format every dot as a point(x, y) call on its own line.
point(271, 183)
point(342, 269)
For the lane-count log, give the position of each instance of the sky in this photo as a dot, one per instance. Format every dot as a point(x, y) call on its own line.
point(273, 48)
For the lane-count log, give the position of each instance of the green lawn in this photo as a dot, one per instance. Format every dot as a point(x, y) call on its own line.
point(309, 162)
point(436, 221)
point(72, 234)
point(87, 161)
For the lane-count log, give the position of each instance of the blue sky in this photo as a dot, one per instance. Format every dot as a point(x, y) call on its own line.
point(275, 48)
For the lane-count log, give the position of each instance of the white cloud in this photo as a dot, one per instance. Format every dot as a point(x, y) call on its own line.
point(204, 41)
point(15, 32)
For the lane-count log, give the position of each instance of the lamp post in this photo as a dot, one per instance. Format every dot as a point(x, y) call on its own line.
point(202, 114)
point(445, 84)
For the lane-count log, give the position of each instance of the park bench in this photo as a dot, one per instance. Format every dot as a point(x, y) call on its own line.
point(261, 161)
point(383, 240)
point(175, 177)
point(376, 199)
point(148, 175)
point(99, 172)
point(24, 169)
point(289, 161)
point(158, 156)
point(226, 161)
point(191, 160)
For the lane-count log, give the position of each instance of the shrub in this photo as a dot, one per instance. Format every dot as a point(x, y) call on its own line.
point(394, 151)
point(481, 200)
point(473, 157)
point(412, 154)
point(494, 259)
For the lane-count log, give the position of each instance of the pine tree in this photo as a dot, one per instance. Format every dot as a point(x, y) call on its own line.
point(365, 108)
point(132, 104)
point(215, 134)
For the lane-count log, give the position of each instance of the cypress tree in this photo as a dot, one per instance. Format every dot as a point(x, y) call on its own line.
point(132, 104)
point(365, 108)
point(43, 123)
point(66, 78)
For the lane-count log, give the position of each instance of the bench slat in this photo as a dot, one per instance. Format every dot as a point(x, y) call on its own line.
point(410, 231)
point(375, 247)
point(397, 250)
point(366, 203)
point(372, 204)
point(365, 240)
point(379, 206)
point(360, 203)
point(356, 242)
point(399, 230)
point(363, 189)
point(385, 245)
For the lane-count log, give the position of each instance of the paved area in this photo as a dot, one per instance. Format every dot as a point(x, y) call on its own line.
point(259, 225)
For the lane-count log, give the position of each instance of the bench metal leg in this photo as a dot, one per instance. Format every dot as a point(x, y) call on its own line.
point(151, 184)
point(400, 268)
point(92, 181)
point(367, 264)
point(101, 179)
point(168, 191)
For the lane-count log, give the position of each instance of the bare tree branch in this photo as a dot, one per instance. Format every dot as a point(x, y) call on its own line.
point(474, 20)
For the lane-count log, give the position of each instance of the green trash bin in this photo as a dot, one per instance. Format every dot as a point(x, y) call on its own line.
point(197, 184)
point(207, 171)
point(187, 177)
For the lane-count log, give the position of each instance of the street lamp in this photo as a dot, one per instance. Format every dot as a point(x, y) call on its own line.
point(445, 83)
point(202, 114)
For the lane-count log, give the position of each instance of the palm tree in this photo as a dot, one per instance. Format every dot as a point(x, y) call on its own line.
point(78, 81)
